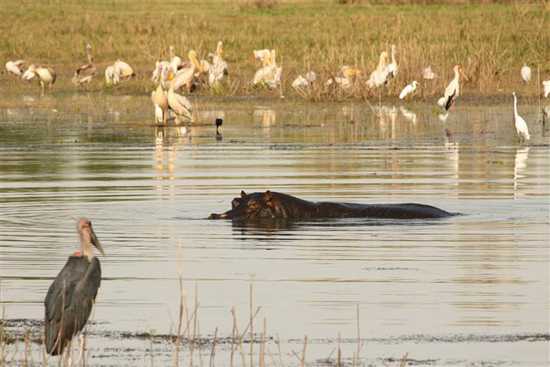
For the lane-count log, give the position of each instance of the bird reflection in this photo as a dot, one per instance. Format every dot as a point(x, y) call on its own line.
point(265, 116)
point(218, 122)
point(408, 115)
point(520, 165)
point(165, 156)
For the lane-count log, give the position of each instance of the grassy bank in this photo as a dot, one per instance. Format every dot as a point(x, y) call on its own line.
point(491, 41)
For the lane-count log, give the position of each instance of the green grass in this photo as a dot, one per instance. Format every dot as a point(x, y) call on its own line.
point(491, 41)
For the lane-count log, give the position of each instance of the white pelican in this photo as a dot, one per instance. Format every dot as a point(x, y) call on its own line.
point(125, 71)
point(304, 82)
point(526, 73)
point(380, 74)
point(410, 88)
point(345, 77)
point(269, 74)
point(521, 125)
point(112, 75)
point(86, 72)
point(546, 87)
point(175, 61)
point(452, 91)
point(45, 75)
point(15, 67)
point(428, 73)
point(263, 56)
point(391, 69)
point(186, 76)
point(160, 66)
point(218, 68)
point(180, 105)
point(160, 101)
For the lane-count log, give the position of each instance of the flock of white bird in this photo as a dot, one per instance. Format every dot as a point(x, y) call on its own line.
point(174, 74)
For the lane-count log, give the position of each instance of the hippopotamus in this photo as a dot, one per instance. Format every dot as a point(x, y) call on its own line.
point(276, 205)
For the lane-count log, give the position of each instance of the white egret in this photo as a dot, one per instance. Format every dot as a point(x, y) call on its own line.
point(526, 73)
point(409, 89)
point(452, 91)
point(15, 67)
point(546, 87)
point(86, 72)
point(521, 125)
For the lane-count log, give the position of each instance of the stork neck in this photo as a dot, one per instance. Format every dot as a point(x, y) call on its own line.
point(515, 105)
point(86, 248)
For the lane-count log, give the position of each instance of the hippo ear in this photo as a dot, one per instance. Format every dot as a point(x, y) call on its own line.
point(243, 194)
point(268, 196)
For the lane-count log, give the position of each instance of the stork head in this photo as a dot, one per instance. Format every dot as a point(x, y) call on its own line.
point(88, 238)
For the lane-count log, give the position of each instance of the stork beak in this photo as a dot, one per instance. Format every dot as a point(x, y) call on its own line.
point(218, 216)
point(96, 242)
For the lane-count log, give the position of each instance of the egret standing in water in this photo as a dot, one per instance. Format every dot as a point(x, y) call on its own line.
point(521, 125)
point(72, 295)
point(410, 88)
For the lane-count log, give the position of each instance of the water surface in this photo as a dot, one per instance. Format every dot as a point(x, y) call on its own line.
point(467, 290)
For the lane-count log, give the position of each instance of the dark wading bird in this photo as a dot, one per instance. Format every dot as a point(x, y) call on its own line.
point(71, 296)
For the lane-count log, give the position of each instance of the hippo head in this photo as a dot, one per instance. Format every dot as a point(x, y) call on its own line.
point(258, 205)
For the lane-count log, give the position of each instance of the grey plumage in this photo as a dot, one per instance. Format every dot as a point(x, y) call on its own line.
point(70, 300)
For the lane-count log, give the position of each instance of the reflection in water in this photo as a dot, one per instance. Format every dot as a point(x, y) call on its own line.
point(520, 165)
point(265, 116)
point(409, 115)
point(149, 191)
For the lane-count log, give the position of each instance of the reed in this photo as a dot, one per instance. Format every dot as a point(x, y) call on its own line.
point(317, 35)
point(187, 333)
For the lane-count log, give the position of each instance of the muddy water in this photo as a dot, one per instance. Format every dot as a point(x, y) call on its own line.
point(468, 290)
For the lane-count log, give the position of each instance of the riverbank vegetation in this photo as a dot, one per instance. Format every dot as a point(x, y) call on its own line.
point(491, 42)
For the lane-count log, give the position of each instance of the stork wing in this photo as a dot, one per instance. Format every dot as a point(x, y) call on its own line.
point(69, 301)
